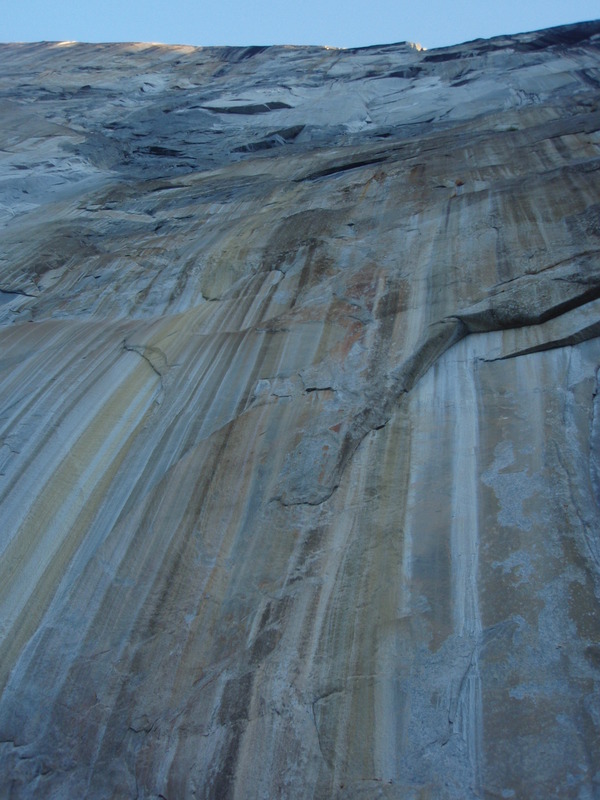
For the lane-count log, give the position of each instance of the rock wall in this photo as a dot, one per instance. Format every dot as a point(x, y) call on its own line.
point(299, 421)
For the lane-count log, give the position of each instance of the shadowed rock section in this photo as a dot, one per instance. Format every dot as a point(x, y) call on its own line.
point(299, 420)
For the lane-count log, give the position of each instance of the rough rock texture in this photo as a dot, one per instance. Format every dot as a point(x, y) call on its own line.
point(300, 421)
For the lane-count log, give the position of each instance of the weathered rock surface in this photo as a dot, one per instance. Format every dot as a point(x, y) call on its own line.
point(300, 421)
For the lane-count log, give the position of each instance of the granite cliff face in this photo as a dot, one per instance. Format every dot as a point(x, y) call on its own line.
point(300, 421)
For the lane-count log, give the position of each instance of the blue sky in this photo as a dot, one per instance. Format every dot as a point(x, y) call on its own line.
point(340, 23)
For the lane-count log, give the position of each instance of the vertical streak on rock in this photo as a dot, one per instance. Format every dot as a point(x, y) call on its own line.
point(595, 442)
point(392, 577)
point(465, 553)
point(50, 534)
point(404, 599)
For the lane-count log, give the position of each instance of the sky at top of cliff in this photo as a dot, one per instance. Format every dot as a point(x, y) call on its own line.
point(338, 23)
